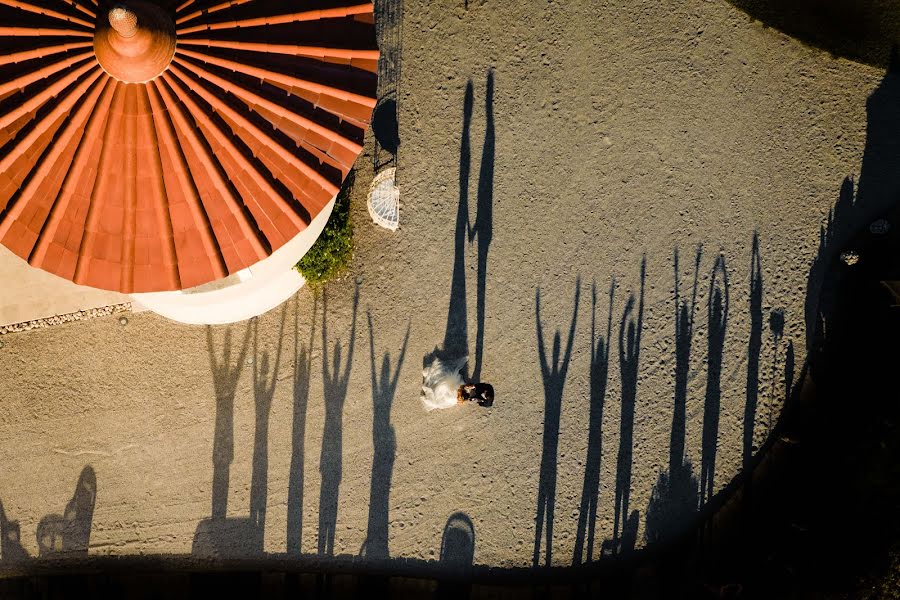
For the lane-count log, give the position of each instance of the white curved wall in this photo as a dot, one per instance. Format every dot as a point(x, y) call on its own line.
point(245, 294)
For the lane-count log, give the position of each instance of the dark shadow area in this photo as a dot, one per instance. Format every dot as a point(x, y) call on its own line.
point(385, 122)
point(674, 498)
point(302, 375)
point(625, 524)
point(861, 30)
point(717, 312)
point(553, 374)
point(590, 489)
point(264, 380)
point(384, 442)
point(877, 194)
point(335, 380)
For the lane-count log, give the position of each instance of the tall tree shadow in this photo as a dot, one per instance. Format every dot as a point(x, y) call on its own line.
point(554, 377)
point(674, 497)
point(590, 489)
point(384, 443)
point(302, 375)
point(263, 393)
point(484, 220)
point(754, 350)
point(335, 380)
point(70, 532)
point(625, 524)
point(717, 305)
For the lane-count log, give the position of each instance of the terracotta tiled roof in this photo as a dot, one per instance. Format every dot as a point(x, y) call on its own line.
point(175, 154)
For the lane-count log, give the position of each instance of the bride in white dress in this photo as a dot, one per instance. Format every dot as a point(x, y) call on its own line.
point(441, 380)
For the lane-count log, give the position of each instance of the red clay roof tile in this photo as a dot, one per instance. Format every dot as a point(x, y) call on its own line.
point(201, 171)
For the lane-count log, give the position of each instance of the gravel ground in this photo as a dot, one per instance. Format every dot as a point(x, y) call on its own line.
point(620, 133)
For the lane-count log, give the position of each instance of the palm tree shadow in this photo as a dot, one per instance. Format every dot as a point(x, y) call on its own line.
point(590, 490)
point(384, 442)
point(335, 381)
point(554, 378)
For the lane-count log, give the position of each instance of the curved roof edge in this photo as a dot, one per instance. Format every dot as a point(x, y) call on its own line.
point(245, 294)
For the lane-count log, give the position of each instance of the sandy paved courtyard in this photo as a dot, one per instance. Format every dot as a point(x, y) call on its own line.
point(553, 161)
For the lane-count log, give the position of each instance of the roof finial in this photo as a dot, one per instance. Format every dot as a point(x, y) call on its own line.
point(123, 20)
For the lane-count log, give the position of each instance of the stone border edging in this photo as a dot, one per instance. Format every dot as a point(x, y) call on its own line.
point(80, 315)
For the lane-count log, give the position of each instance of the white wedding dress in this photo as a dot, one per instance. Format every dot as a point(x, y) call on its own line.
point(440, 382)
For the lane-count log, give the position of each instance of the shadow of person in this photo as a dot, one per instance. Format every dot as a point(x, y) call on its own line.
point(218, 535)
point(384, 442)
point(70, 532)
point(456, 333)
point(483, 228)
point(590, 489)
point(457, 557)
point(458, 542)
point(302, 374)
point(554, 378)
point(334, 382)
point(11, 550)
point(624, 524)
point(754, 350)
point(718, 320)
point(674, 496)
point(225, 379)
point(263, 393)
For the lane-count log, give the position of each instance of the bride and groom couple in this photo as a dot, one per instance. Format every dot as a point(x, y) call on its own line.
point(444, 386)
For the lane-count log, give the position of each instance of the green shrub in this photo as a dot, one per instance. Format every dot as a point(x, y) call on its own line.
point(333, 251)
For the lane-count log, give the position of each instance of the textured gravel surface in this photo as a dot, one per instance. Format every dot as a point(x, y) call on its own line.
point(621, 131)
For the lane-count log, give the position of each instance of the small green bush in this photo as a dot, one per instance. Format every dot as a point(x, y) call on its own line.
point(331, 254)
